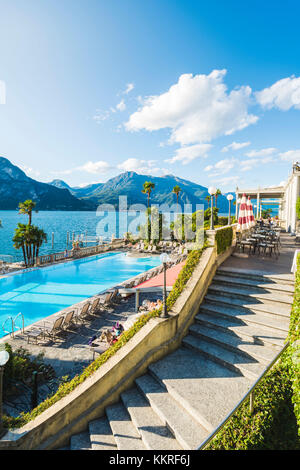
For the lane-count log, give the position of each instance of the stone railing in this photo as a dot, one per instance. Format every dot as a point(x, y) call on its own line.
point(79, 253)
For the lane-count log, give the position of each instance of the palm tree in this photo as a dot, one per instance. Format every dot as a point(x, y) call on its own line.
point(27, 207)
point(208, 198)
point(30, 238)
point(19, 240)
point(176, 190)
point(148, 186)
point(218, 193)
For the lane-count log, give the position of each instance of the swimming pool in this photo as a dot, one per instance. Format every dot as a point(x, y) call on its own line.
point(44, 291)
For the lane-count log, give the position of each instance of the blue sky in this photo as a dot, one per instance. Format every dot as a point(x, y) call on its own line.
point(207, 91)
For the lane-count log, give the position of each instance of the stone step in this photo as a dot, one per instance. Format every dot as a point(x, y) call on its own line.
point(81, 441)
point(101, 435)
point(251, 292)
point(200, 385)
point(125, 433)
point(242, 316)
point(266, 286)
point(282, 278)
point(187, 431)
point(154, 433)
point(250, 304)
point(232, 360)
point(232, 342)
point(260, 335)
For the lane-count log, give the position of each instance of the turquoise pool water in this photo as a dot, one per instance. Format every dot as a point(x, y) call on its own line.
point(44, 291)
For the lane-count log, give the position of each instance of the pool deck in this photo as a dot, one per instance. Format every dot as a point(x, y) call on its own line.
point(71, 354)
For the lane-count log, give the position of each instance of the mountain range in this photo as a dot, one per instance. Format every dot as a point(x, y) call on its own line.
point(130, 184)
point(16, 186)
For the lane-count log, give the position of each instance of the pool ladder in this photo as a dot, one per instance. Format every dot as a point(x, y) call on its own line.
point(13, 325)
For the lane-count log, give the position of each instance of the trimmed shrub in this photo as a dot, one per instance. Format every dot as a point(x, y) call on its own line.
point(223, 239)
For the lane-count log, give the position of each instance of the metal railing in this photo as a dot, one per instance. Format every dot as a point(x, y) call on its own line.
point(249, 394)
point(13, 325)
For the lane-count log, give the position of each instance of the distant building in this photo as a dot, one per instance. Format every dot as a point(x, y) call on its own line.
point(282, 197)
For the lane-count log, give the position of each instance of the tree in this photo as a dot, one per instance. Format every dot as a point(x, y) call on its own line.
point(265, 213)
point(29, 238)
point(176, 190)
point(27, 207)
point(208, 198)
point(218, 193)
point(148, 187)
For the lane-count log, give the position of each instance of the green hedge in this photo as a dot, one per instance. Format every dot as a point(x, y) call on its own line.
point(223, 239)
point(67, 387)
point(275, 423)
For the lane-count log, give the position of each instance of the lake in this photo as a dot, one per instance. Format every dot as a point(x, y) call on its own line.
point(60, 223)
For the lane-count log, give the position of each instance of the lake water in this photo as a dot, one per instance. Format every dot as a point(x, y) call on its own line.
point(60, 223)
point(47, 290)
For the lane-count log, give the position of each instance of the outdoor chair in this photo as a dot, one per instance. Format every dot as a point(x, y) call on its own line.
point(51, 329)
point(94, 307)
point(83, 315)
point(111, 297)
point(69, 320)
point(54, 328)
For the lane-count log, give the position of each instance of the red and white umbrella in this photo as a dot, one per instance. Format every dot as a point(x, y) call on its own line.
point(250, 214)
point(243, 215)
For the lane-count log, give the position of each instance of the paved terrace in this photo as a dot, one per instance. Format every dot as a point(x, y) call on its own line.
point(267, 264)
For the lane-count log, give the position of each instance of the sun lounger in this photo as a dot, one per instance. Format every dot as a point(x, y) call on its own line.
point(54, 328)
point(83, 315)
point(49, 328)
point(69, 320)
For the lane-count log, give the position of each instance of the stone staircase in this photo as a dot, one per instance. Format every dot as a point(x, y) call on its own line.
point(240, 327)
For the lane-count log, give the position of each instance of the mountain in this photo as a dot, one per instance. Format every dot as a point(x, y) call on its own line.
point(16, 186)
point(130, 184)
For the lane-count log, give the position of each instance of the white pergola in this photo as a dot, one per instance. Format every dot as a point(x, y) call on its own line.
point(285, 197)
point(263, 196)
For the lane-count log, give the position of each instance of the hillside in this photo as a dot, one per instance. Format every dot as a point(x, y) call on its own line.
point(16, 186)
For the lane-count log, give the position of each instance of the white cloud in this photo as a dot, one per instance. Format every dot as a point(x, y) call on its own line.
point(187, 154)
point(283, 94)
point(197, 109)
point(100, 116)
point(129, 88)
point(146, 167)
point(290, 156)
point(208, 168)
point(121, 106)
point(262, 152)
point(227, 182)
point(222, 166)
point(235, 146)
point(95, 167)
point(247, 165)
